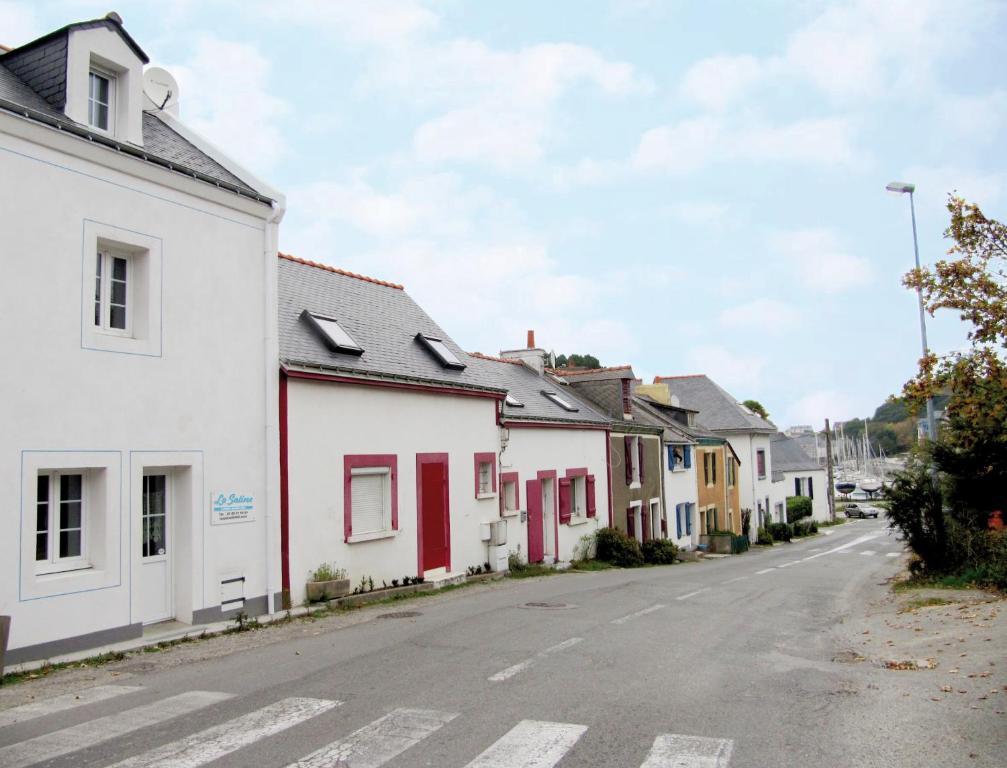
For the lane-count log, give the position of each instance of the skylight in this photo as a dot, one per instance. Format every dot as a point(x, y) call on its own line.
point(440, 350)
point(555, 397)
point(513, 402)
point(332, 333)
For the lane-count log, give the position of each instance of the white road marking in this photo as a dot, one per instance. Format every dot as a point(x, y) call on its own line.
point(530, 744)
point(374, 745)
point(867, 552)
point(508, 673)
point(815, 549)
point(691, 594)
point(674, 751)
point(215, 742)
point(765, 570)
point(792, 562)
point(892, 554)
point(76, 737)
point(644, 612)
point(62, 703)
point(738, 578)
point(843, 547)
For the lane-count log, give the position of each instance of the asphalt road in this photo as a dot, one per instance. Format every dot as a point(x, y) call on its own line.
point(727, 662)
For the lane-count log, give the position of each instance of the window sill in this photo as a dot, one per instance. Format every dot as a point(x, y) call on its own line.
point(65, 569)
point(510, 513)
point(358, 538)
point(481, 496)
point(579, 520)
point(634, 485)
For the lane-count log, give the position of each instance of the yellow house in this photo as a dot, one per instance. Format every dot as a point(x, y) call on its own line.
point(719, 506)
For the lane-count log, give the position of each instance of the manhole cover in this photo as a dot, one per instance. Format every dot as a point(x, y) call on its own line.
point(548, 606)
point(400, 615)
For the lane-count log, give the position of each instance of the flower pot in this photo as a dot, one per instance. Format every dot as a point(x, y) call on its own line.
point(327, 590)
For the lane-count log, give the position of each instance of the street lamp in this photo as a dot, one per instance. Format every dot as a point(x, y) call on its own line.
point(903, 188)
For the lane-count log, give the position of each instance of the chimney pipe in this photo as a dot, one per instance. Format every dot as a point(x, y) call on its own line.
point(531, 339)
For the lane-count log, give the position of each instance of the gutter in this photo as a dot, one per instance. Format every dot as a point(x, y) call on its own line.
point(293, 367)
point(65, 126)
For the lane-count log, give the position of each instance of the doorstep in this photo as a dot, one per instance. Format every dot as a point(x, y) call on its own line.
point(442, 578)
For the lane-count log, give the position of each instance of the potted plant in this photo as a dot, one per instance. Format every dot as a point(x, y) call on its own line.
point(327, 582)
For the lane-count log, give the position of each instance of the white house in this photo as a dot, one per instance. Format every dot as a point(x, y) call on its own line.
point(797, 474)
point(389, 434)
point(554, 468)
point(138, 470)
point(748, 434)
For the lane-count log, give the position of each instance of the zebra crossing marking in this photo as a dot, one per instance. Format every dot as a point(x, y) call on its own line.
point(215, 742)
point(637, 614)
point(84, 735)
point(892, 554)
point(672, 750)
point(62, 703)
point(530, 744)
point(867, 552)
point(374, 745)
point(521, 666)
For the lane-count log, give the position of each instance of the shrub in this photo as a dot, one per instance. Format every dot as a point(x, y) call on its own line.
point(515, 563)
point(781, 531)
point(614, 546)
point(659, 551)
point(764, 537)
point(746, 521)
point(327, 572)
point(798, 507)
point(739, 544)
point(805, 527)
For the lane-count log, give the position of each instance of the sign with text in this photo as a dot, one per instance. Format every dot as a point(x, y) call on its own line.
point(228, 507)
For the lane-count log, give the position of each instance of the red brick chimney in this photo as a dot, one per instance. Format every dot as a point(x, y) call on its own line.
point(531, 339)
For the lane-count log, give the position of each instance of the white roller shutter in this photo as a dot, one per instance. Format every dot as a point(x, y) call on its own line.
point(369, 498)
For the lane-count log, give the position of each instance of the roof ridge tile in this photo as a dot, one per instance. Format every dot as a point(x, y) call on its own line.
point(336, 270)
point(564, 372)
point(481, 356)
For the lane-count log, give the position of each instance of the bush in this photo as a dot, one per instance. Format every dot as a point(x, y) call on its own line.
point(805, 527)
point(739, 544)
point(515, 563)
point(659, 551)
point(327, 572)
point(781, 531)
point(615, 547)
point(764, 537)
point(798, 507)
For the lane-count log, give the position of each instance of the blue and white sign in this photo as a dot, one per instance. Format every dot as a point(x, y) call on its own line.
point(229, 507)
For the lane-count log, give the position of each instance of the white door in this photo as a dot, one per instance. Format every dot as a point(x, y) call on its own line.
point(156, 603)
point(548, 521)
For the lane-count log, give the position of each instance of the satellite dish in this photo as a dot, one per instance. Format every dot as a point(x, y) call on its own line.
point(162, 90)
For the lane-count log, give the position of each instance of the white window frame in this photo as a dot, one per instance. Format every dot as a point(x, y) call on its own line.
point(678, 465)
point(578, 497)
point(112, 79)
point(386, 530)
point(53, 562)
point(634, 459)
point(106, 257)
point(509, 498)
point(656, 515)
point(765, 463)
point(485, 480)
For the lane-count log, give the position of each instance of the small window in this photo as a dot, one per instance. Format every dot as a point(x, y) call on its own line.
point(440, 350)
point(370, 500)
point(578, 496)
point(59, 516)
point(510, 501)
point(566, 405)
point(760, 463)
point(111, 291)
point(676, 456)
point(332, 333)
point(513, 402)
point(730, 472)
point(100, 100)
point(485, 475)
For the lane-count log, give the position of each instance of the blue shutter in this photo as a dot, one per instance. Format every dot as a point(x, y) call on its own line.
point(671, 457)
point(811, 488)
point(678, 520)
point(687, 456)
point(688, 519)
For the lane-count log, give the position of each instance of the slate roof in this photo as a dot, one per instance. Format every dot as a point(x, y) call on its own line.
point(788, 456)
point(161, 144)
point(526, 386)
point(718, 410)
point(380, 316)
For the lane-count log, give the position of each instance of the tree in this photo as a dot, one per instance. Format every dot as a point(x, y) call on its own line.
point(756, 407)
point(577, 361)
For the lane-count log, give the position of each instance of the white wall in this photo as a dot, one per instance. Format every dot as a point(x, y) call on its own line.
point(326, 421)
point(753, 488)
point(531, 450)
point(820, 485)
point(680, 487)
point(196, 401)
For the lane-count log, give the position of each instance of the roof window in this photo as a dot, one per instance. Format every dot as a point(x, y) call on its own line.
point(332, 333)
point(513, 402)
point(562, 403)
point(440, 350)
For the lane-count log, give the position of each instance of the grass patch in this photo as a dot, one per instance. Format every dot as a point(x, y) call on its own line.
point(591, 565)
point(529, 570)
point(924, 602)
point(965, 580)
point(838, 521)
point(12, 678)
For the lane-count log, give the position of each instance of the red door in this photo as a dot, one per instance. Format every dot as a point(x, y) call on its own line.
point(536, 544)
point(435, 552)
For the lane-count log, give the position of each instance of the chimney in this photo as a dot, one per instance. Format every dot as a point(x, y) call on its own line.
point(531, 356)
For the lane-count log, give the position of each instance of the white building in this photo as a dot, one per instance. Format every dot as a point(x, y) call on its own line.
point(137, 478)
point(748, 434)
point(554, 476)
point(389, 435)
point(795, 474)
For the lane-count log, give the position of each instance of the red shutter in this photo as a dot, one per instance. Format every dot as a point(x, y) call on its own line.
point(664, 528)
point(639, 447)
point(564, 500)
point(592, 510)
point(628, 453)
point(630, 523)
point(645, 519)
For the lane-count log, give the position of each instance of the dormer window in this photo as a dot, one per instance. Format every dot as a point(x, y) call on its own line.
point(562, 403)
point(440, 350)
point(513, 402)
point(101, 100)
point(332, 333)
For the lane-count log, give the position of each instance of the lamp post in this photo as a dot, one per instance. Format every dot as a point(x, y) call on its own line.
point(903, 188)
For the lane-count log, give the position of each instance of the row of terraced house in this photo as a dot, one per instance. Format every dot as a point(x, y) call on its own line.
point(193, 420)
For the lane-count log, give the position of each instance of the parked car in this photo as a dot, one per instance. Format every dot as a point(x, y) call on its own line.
point(861, 510)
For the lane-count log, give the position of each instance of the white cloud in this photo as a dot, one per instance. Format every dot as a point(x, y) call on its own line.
point(933, 183)
point(819, 260)
point(738, 373)
point(766, 315)
point(501, 139)
point(20, 24)
point(701, 212)
point(692, 144)
point(980, 118)
point(716, 82)
point(815, 407)
point(382, 23)
point(225, 95)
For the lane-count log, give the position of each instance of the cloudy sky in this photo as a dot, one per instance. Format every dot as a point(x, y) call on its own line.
point(687, 187)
